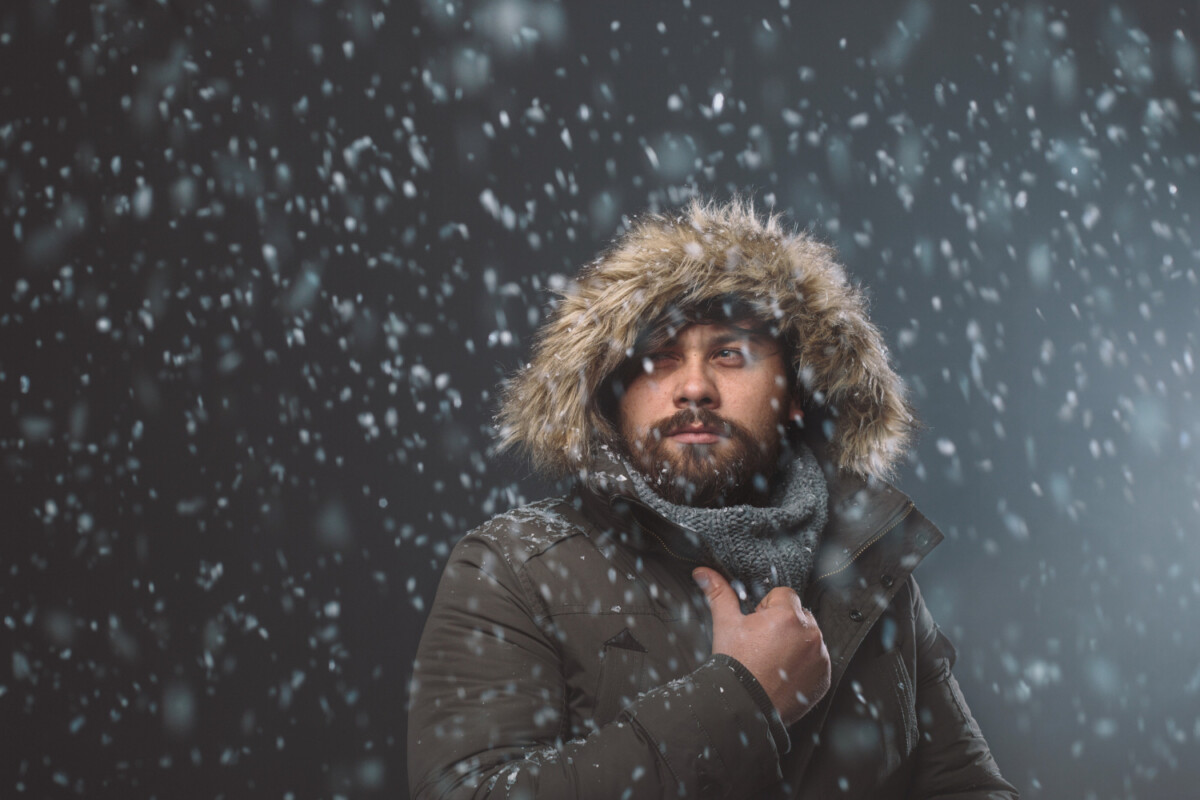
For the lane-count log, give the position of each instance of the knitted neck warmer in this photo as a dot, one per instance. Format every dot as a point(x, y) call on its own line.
point(759, 547)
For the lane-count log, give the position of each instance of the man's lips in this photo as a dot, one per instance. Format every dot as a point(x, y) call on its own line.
point(702, 435)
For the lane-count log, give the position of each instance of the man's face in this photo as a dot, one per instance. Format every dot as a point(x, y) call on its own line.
point(704, 414)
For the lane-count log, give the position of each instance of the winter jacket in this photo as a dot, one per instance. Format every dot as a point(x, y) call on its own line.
point(567, 655)
point(568, 652)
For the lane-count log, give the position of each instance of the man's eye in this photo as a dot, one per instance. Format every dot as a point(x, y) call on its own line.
point(654, 361)
point(731, 354)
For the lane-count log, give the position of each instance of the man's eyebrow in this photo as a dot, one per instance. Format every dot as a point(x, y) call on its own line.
point(760, 337)
point(739, 335)
point(736, 336)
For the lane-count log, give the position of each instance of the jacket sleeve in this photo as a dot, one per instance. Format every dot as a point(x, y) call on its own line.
point(953, 758)
point(489, 709)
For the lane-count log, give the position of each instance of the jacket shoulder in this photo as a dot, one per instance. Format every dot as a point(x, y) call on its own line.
point(526, 532)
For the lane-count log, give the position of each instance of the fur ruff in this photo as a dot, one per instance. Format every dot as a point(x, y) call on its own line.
point(548, 409)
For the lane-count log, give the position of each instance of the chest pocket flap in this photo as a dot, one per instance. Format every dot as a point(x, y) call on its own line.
point(622, 675)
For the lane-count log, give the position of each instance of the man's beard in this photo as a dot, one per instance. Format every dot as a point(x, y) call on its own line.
point(735, 470)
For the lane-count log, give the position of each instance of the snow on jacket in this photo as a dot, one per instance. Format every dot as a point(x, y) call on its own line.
point(568, 652)
point(568, 655)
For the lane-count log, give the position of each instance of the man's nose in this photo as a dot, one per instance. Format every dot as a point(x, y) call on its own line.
point(696, 387)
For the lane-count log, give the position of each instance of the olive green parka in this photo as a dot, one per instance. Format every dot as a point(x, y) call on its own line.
point(568, 651)
point(567, 655)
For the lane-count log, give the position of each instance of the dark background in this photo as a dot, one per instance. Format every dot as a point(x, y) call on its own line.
point(264, 264)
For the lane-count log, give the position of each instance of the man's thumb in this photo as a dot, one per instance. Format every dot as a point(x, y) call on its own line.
point(722, 602)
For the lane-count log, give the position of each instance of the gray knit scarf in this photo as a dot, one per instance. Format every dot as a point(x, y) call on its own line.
point(758, 547)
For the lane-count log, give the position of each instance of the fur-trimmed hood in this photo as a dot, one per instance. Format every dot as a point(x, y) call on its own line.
point(549, 409)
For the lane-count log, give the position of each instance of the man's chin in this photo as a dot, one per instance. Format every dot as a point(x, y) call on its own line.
point(693, 461)
point(707, 455)
point(695, 478)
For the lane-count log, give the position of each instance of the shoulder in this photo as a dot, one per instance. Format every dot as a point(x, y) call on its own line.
point(524, 533)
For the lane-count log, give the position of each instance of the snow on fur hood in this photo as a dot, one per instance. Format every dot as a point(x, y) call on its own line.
point(549, 411)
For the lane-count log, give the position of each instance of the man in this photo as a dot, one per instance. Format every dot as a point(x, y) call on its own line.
point(723, 606)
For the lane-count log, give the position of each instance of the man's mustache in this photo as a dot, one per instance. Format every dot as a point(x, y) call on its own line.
point(693, 417)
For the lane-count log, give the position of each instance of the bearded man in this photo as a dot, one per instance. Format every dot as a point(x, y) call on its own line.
point(723, 606)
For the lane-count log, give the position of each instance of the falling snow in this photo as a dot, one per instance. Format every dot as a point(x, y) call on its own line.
point(267, 266)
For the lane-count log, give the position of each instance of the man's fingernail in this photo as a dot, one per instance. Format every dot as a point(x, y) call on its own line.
point(701, 577)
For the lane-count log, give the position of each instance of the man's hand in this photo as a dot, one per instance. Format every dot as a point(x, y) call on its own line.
point(779, 643)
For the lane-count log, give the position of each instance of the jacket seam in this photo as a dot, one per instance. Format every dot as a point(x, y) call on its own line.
point(540, 620)
point(588, 528)
point(583, 611)
point(712, 746)
point(906, 698)
point(659, 751)
point(884, 532)
point(535, 601)
point(966, 715)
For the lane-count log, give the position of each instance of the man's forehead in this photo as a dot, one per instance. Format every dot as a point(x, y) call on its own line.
point(748, 329)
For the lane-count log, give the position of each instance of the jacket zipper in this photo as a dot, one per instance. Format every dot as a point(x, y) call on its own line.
point(903, 515)
point(669, 550)
point(658, 538)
